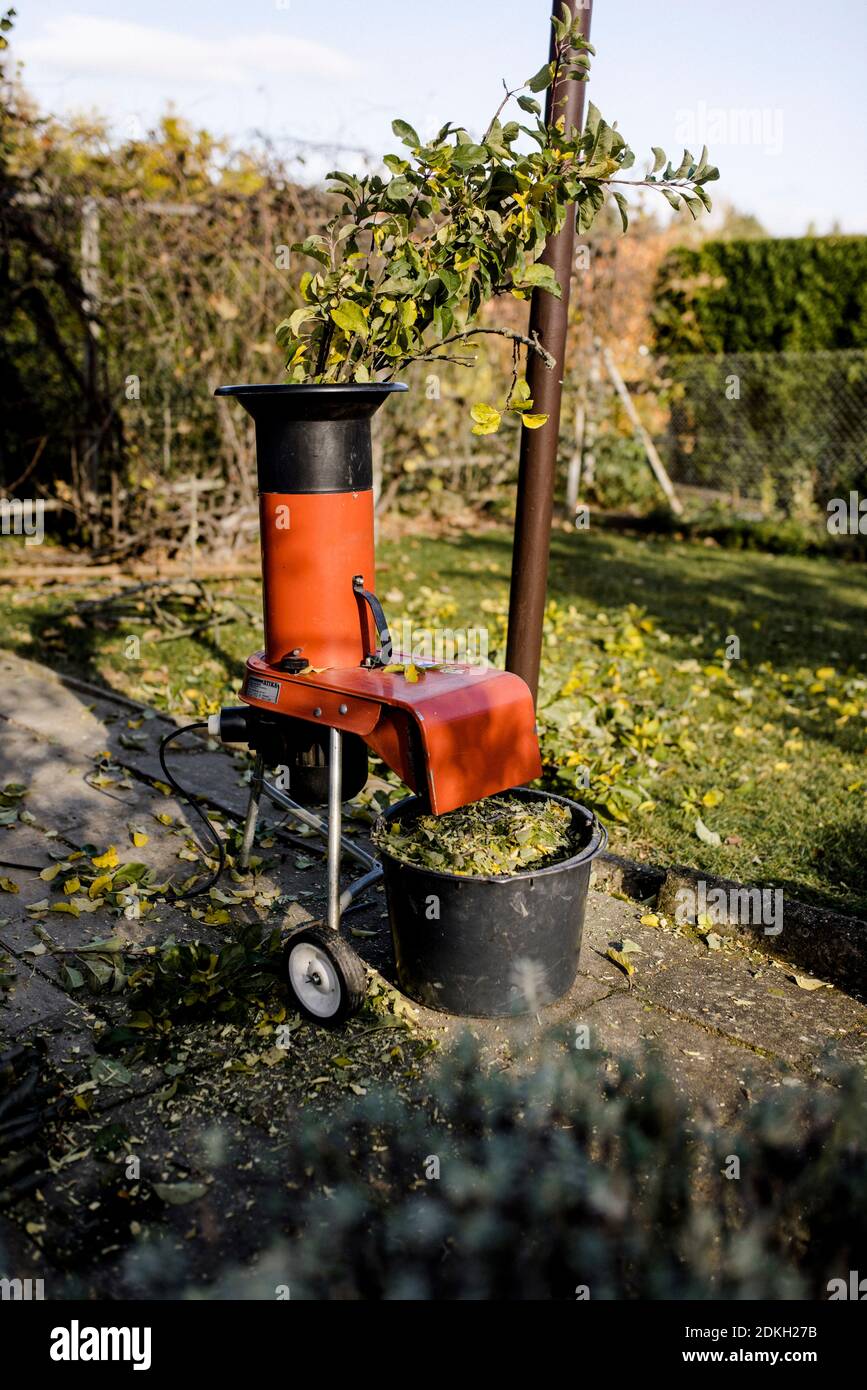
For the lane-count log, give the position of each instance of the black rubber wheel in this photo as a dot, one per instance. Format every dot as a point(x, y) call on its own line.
point(326, 979)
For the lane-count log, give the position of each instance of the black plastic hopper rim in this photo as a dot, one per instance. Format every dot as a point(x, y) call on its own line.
point(286, 388)
point(313, 438)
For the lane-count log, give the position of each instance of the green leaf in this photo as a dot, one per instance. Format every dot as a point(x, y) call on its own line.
point(465, 156)
point(399, 190)
point(350, 317)
point(658, 159)
point(404, 132)
point(623, 208)
point(542, 79)
point(315, 246)
point(685, 165)
point(530, 104)
point(594, 116)
point(538, 276)
point(298, 318)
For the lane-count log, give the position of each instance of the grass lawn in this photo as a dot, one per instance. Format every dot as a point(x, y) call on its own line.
point(751, 767)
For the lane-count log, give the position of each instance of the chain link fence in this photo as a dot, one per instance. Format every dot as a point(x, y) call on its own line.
point(786, 430)
point(767, 432)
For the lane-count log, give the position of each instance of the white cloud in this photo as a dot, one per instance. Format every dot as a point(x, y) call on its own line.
point(81, 45)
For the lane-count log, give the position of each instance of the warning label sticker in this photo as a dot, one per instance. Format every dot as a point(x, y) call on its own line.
point(257, 689)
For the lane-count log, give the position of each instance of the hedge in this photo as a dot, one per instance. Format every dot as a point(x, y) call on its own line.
point(797, 294)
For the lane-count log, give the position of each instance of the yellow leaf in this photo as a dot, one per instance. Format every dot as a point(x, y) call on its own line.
point(99, 884)
point(217, 917)
point(534, 422)
point(411, 674)
point(107, 860)
point(139, 838)
point(825, 673)
point(807, 982)
point(66, 907)
point(50, 872)
point(72, 885)
point(712, 798)
point(650, 919)
point(621, 960)
point(486, 417)
point(9, 886)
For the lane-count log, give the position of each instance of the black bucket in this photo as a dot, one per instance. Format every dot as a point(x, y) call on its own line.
point(490, 946)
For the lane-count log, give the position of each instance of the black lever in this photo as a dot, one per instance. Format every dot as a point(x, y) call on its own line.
point(383, 656)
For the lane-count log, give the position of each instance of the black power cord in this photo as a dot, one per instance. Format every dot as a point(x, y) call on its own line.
point(173, 782)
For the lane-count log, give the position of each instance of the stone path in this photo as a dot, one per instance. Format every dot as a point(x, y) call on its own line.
point(730, 1022)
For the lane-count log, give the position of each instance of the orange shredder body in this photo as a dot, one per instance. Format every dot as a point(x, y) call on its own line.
point(459, 733)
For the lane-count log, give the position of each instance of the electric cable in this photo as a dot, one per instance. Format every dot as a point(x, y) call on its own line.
point(194, 803)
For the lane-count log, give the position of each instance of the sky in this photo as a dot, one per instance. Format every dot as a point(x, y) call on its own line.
point(775, 89)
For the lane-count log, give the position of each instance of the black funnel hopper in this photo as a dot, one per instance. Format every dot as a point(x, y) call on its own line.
point(313, 438)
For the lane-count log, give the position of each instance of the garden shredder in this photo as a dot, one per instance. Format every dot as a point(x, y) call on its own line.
point(321, 693)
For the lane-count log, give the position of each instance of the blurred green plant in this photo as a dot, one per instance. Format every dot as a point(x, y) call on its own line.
point(577, 1176)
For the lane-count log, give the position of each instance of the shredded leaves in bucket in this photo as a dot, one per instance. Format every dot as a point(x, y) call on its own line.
point(499, 836)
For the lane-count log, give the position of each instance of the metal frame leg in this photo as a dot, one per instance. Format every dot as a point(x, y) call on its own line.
point(252, 811)
point(335, 805)
point(316, 822)
point(329, 828)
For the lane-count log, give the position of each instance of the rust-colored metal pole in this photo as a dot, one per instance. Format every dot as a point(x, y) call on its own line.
point(548, 318)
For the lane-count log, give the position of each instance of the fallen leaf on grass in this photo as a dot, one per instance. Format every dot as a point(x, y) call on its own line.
point(707, 837)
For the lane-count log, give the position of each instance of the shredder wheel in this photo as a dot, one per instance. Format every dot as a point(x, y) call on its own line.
point(326, 978)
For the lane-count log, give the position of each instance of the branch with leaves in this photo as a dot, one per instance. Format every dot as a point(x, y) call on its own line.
point(410, 258)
